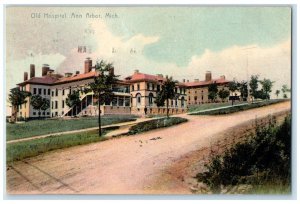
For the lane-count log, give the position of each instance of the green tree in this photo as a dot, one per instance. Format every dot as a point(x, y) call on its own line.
point(277, 93)
point(243, 88)
point(73, 100)
point(233, 86)
point(37, 102)
point(212, 91)
point(46, 105)
point(267, 85)
point(166, 93)
point(253, 86)
point(102, 86)
point(284, 90)
point(17, 98)
point(223, 94)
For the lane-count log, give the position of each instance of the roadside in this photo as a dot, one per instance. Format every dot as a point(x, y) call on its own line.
point(125, 165)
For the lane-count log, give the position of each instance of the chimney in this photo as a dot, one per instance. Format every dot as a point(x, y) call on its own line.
point(196, 80)
point(208, 76)
point(25, 76)
point(222, 77)
point(32, 70)
point(88, 63)
point(77, 72)
point(45, 69)
point(183, 80)
point(68, 74)
point(136, 71)
point(49, 72)
point(112, 71)
point(160, 75)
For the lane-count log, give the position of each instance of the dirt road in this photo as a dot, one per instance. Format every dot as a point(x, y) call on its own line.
point(127, 165)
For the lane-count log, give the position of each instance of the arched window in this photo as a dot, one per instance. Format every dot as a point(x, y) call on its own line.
point(182, 102)
point(138, 99)
point(150, 99)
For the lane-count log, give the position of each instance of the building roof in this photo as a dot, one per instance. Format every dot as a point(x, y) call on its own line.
point(76, 77)
point(205, 83)
point(45, 80)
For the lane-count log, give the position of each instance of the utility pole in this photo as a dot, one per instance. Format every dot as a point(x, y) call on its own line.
point(247, 71)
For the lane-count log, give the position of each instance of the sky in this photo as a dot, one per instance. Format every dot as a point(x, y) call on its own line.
point(183, 42)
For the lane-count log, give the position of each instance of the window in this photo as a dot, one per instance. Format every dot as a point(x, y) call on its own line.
point(176, 103)
point(158, 87)
point(202, 98)
point(127, 101)
point(138, 87)
point(43, 113)
point(51, 104)
point(63, 104)
point(34, 90)
point(138, 99)
point(49, 92)
point(48, 113)
point(56, 92)
point(40, 91)
point(34, 113)
point(150, 99)
point(56, 113)
point(121, 101)
point(56, 104)
point(63, 92)
point(148, 86)
point(62, 112)
point(182, 102)
point(132, 88)
point(52, 93)
point(115, 101)
point(195, 98)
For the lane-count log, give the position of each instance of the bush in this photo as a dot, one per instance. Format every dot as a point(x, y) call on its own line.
point(263, 160)
point(154, 124)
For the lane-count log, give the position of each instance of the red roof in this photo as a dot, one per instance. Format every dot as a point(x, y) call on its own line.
point(144, 77)
point(76, 77)
point(46, 80)
point(205, 83)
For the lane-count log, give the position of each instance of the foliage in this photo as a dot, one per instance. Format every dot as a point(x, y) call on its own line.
point(37, 102)
point(33, 127)
point(254, 86)
point(46, 104)
point(277, 93)
point(166, 93)
point(223, 94)
point(212, 91)
point(17, 98)
point(102, 86)
point(267, 85)
point(265, 158)
point(154, 124)
point(233, 86)
point(284, 90)
point(73, 99)
point(243, 88)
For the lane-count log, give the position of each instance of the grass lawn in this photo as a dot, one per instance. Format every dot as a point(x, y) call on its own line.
point(234, 109)
point(21, 150)
point(155, 124)
point(41, 127)
point(206, 106)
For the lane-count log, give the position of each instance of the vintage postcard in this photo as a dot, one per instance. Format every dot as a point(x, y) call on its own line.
point(148, 100)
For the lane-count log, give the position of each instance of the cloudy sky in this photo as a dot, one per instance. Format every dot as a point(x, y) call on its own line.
point(184, 42)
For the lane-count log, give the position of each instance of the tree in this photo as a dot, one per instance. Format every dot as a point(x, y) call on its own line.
point(73, 100)
point(212, 91)
point(223, 94)
point(253, 86)
point(166, 93)
point(277, 93)
point(267, 85)
point(233, 86)
point(285, 89)
point(46, 105)
point(37, 102)
point(17, 98)
point(102, 86)
point(243, 88)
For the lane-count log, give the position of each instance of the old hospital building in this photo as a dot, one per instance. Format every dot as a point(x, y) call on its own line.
point(132, 95)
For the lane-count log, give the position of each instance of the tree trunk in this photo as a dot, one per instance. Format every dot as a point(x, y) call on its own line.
point(167, 108)
point(99, 116)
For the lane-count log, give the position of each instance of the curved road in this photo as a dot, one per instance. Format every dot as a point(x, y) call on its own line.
point(126, 165)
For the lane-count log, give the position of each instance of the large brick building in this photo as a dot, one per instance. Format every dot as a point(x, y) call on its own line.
point(133, 95)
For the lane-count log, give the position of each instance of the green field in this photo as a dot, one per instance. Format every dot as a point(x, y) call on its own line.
point(41, 127)
point(206, 106)
point(21, 150)
point(233, 109)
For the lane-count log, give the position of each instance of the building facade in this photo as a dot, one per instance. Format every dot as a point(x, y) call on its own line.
point(136, 94)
